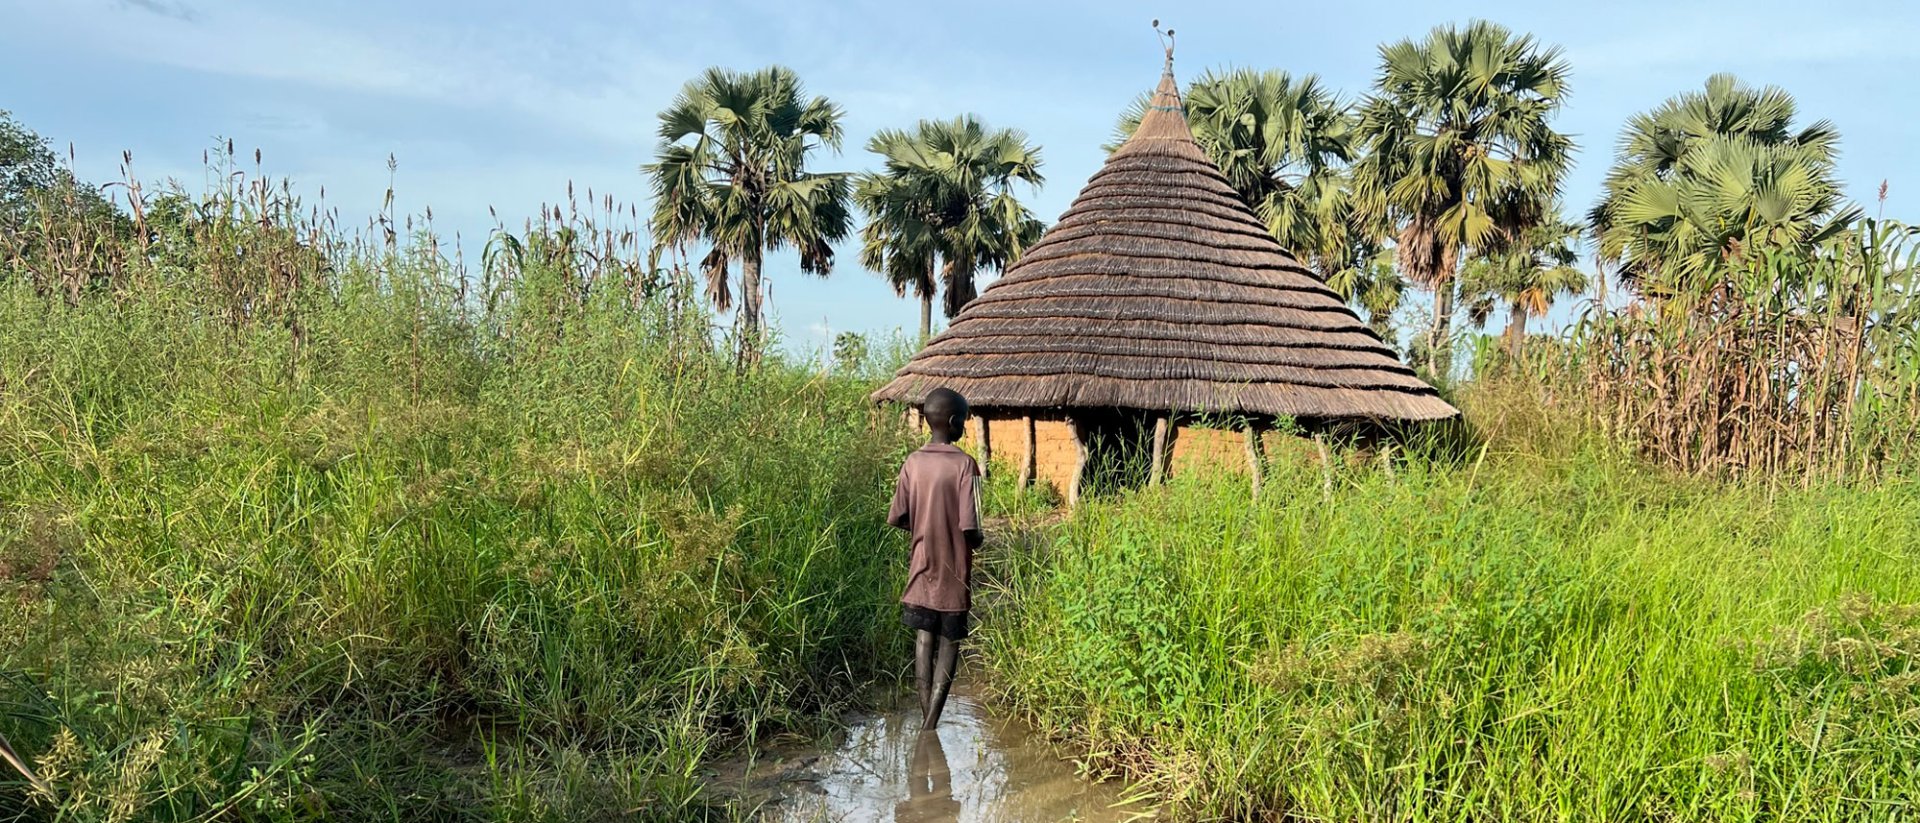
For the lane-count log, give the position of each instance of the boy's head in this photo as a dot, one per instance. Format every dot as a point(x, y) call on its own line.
point(946, 414)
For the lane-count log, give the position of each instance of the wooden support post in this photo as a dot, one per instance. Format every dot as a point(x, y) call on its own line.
point(986, 448)
point(1079, 463)
point(1158, 472)
point(1027, 460)
point(1256, 456)
point(1326, 464)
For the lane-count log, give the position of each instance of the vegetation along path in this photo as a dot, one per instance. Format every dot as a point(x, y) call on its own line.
point(299, 523)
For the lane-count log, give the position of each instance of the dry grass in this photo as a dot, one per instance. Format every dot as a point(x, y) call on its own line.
point(1787, 363)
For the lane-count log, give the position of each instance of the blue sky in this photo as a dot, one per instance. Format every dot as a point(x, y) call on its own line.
point(501, 104)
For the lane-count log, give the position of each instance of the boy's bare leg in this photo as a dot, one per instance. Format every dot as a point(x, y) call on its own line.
point(923, 653)
point(943, 671)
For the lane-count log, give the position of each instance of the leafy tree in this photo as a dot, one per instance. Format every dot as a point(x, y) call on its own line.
point(1526, 278)
point(1282, 143)
point(898, 241)
point(26, 166)
point(1375, 287)
point(30, 173)
point(57, 232)
point(1710, 173)
point(849, 352)
point(943, 208)
point(731, 170)
point(1460, 153)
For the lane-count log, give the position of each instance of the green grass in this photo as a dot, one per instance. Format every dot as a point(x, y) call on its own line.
point(549, 573)
point(1506, 637)
point(432, 571)
point(298, 527)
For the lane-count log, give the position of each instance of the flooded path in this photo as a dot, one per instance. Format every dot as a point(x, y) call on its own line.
point(975, 769)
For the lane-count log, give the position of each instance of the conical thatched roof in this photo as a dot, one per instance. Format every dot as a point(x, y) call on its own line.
point(1160, 290)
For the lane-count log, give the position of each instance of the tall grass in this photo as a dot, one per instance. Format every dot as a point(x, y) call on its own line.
point(1511, 637)
point(297, 525)
point(304, 524)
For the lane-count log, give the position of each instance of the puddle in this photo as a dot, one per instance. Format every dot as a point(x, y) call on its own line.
point(974, 769)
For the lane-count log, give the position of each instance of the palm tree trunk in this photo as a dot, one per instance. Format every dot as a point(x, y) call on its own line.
point(1439, 341)
point(959, 283)
point(926, 317)
point(926, 299)
point(751, 334)
point(1516, 330)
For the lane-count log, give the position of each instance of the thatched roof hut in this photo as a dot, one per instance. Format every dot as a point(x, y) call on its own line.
point(1160, 293)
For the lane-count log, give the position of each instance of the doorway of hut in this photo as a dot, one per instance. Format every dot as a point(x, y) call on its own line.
point(1119, 449)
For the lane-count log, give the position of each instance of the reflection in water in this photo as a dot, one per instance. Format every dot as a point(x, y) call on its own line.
point(929, 784)
point(972, 769)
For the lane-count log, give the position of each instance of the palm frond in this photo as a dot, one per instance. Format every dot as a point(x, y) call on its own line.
point(945, 195)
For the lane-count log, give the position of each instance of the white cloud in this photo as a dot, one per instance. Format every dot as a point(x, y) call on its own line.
point(605, 89)
point(176, 10)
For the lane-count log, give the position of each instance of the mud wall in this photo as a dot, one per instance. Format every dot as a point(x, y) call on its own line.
point(1193, 449)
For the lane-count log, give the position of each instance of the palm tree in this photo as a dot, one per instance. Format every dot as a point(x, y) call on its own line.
point(898, 241)
point(1526, 277)
point(1461, 157)
point(1711, 172)
point(731, 170)
point(943, 208)
point(1281, 142)
point(1373, 285)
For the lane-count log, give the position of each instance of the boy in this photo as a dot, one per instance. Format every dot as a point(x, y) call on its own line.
point(937, 499)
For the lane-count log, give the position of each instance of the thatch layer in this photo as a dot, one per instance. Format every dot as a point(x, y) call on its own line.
point(1160, 290)
point(1232, 334)
point(1137, 306)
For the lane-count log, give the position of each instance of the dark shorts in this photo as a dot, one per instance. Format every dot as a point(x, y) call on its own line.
point(950, 625)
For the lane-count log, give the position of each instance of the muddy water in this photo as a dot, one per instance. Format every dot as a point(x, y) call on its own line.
point(974, 769)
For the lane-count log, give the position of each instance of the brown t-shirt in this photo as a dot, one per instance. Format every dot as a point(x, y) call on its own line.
point(937, 499)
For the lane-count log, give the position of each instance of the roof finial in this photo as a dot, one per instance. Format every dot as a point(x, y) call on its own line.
point(1166, 41)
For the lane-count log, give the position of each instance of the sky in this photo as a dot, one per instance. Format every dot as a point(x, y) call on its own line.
point(503, 104)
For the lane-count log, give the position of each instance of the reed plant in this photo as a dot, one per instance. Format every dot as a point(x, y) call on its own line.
point(1777, 362)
